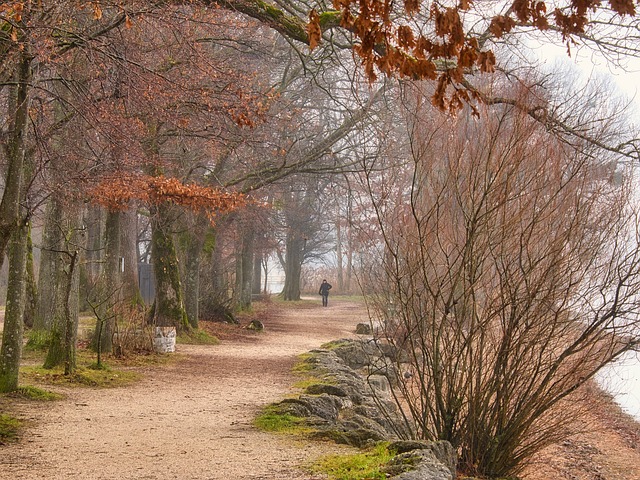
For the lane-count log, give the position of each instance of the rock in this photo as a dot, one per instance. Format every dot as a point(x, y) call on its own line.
point(359, 438)
point(324, 406)
point(349, 408)
point(418, 465)
point(320, 388)
point(379, 382)
point(256, 325)
point(441, 450)
point(363, 329)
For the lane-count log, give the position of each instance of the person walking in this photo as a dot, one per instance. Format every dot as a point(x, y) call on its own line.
point(324, 291)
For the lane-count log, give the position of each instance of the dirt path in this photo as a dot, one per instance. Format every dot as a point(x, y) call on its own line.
point(193, 420)
point(189, 421)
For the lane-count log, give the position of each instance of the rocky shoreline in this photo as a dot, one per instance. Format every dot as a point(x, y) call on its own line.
point(342, 404)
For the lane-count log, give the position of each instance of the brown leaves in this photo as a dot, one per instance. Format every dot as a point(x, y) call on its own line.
point(13, 11)
point(116, 193)
point(392, 44)
point(623, 7)
point(97, 11)
point(500, 25)
point(313, 29)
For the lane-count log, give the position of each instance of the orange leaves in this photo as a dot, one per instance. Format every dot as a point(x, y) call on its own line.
point(116, 194)
point(13, 12)
point(313, 29)
point(97, 11)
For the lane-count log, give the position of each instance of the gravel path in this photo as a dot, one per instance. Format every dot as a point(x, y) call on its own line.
point(189, 421)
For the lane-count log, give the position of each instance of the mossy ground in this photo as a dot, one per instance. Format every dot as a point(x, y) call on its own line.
point(9, 428)
point(38, 394)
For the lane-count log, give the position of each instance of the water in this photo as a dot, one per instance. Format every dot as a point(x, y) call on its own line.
point(622, 380)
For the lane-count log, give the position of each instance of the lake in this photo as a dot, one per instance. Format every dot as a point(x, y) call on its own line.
point(622, 380)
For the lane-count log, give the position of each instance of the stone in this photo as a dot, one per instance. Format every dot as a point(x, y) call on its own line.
point(418, 465)
point(363, 329)
point(320, 388)
point(256, 325)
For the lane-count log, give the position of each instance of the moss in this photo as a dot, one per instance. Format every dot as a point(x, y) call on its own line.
point(274, 419)
point(330, 18)
point(197, 337)
point(335, 344)
point(367, 465)
point(89, 377)
point(37, 394)
point(9, 428)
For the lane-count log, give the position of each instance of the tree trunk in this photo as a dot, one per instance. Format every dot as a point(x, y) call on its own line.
point(193, 253)
point(168, 309)
point(64, 328)
point(94, 221)
point(293, 265)
point(340, 264)
point(31, 297)
point(13, 323)
point(11, 198)
point(257, 274)
point(110, 285)
point(246, 264)
point(129, 251)
point(50, 265)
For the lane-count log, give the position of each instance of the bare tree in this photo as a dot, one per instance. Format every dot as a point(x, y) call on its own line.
point(510, 276)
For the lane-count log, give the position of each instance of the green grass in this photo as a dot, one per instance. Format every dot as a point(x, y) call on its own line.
point(197, 337)
point(367, 465)
point(38, 341)
point(9, 428)
point(275, 421)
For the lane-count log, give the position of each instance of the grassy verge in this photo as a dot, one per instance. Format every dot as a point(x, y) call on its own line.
point(197, 337)
point(88, 376)
point(367, 465)
point(276, 421)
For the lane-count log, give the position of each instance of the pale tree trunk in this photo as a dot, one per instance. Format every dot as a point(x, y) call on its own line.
point(217, 271)
point(246, 264)
point(244, 270)
point(265, 265)
point(13, 323)
point(257, 274)
point(168, 308)
point(293, 265)
point(339, 256)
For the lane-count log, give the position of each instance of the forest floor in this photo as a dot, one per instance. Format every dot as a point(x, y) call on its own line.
point(192, 419)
